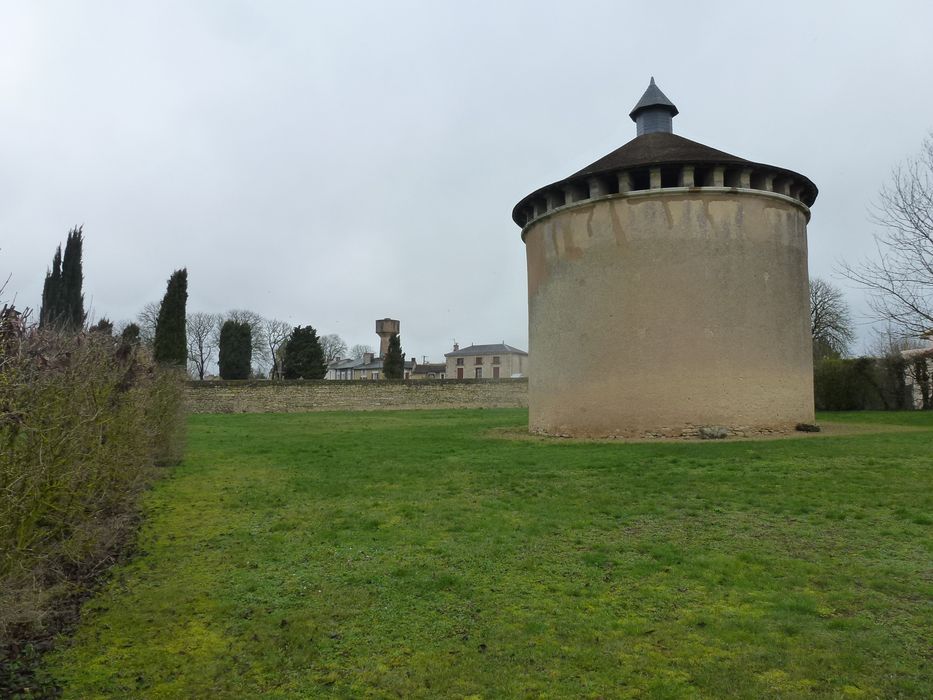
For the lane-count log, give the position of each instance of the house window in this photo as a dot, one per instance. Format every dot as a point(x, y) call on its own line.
point(375, 375)
point(479, 361)
point(459, 362)
point(407, 375)
point(479, 372)
point(495, 359)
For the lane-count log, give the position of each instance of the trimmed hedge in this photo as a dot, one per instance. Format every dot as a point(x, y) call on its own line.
point(861, 384)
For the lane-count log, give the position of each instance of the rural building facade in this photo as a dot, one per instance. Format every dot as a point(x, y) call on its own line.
point(370, 365)
point(918, 375)
point(430, 370)
point(499, 361)
point(367, 367)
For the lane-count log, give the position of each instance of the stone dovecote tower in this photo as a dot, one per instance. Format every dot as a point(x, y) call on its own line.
point(668, 290)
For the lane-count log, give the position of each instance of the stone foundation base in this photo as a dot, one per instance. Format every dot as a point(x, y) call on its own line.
point(686, 432)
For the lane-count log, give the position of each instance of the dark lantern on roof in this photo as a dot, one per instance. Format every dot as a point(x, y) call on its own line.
point(654, 112)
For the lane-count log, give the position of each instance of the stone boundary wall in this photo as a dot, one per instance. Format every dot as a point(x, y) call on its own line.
point(374, 395)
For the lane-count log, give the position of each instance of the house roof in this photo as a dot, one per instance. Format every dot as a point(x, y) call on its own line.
point(429, 367)
point(917, 352)
point(377, 364)
point(358, 364)
point(345, 364)
point(497, 349)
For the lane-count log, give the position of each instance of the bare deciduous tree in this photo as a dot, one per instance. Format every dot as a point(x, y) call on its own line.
point(830, 320)
point(147, 320)
point(900, 280)
point(202, 340)
point(275, 333)
point(357, 351)
point(334, 347)
point(889, 343)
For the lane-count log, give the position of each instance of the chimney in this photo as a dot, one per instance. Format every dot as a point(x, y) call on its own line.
point(367, 357)
point(456, 346)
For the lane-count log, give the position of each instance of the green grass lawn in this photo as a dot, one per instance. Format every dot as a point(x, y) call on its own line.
point(427, 554)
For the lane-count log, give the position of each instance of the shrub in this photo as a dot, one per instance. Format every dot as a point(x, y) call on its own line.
point(84, 418)
point(862, 383)
point(130, 334)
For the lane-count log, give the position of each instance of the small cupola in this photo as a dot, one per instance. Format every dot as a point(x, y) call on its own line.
point(654, 113)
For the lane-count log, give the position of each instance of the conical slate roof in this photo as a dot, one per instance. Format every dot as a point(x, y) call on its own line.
point(653, 97)
point(662, 148)
point(659, 148)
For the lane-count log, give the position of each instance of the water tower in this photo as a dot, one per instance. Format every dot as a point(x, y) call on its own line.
point(385, 329)
point(668, 290)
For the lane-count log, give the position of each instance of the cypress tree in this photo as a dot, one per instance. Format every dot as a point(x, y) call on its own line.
point(171, 346)
point(236, 350)
point(51, 292)
point(393, 364)
point(304, 357)
point(71, 296)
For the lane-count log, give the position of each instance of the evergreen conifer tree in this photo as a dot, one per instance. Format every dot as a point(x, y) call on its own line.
point(104, 326)
point(130, 334)
point(171, 346)
point(304, 357)
point(236, 350)
point(62, 298)
point(51, 292)
point(393, 364)
point(72, 298)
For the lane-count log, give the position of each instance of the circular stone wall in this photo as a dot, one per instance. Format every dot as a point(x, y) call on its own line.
point(662, 312)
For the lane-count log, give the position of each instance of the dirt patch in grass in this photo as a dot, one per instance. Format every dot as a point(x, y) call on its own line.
point(827, 429)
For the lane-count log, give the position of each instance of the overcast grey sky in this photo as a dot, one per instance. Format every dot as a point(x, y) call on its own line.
point(334, 163)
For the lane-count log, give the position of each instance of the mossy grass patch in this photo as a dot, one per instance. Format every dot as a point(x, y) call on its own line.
point(428, 554)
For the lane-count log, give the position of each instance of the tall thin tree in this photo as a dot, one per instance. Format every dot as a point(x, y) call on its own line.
point(72, 297)
point(236, 349)
point(51, 292)
point(170, 345)
point(393, 365)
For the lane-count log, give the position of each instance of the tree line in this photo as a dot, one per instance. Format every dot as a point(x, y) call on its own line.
point(243, 343)
point(899, 280)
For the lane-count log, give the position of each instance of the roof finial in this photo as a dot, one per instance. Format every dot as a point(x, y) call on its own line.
point(654, 111)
